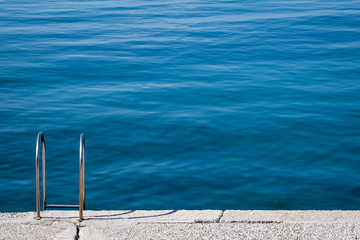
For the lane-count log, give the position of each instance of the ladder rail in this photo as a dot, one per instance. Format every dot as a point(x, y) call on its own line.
point(81, 206)
point(40, 140)
point(81, 176)
point(61, 206)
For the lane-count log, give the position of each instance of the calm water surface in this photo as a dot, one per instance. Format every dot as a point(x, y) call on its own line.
point(184, 104)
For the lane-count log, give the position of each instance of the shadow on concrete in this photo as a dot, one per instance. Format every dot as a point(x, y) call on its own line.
point(89, 217)
point(111, 216)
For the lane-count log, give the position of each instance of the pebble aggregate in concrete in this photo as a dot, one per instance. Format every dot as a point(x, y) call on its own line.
point(182, 224)
point(41, 231)
point(289, 216)
point(226, 231)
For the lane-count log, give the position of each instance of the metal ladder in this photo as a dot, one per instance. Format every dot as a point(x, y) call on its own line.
point(81, 206)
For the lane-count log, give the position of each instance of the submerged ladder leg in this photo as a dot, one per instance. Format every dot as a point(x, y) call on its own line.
point(81, 206)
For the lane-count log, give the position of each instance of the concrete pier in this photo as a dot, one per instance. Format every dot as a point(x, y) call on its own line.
point(182, 224)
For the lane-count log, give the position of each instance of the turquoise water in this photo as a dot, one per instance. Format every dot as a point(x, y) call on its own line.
point(184, 104)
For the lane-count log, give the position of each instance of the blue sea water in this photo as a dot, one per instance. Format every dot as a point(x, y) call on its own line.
point(184, 104)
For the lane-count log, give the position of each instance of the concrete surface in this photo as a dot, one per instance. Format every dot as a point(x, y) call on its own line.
point(106, 217)
point(289, 216)
point(225, 231)
point(182, 224)
point(24, 226)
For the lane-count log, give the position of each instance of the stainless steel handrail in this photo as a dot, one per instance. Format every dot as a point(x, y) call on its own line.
point(81, 206)
point(81, 176)
point(40, 138)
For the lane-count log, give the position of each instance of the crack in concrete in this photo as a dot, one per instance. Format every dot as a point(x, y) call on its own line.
point(209, 221)
point(254, 222)
point(77, 236)
point(221, 215)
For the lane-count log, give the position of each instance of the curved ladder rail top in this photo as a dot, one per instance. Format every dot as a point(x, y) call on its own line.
point(81, 206)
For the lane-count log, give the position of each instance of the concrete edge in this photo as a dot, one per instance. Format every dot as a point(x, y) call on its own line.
point(187, 216)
